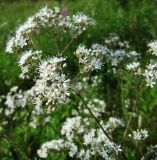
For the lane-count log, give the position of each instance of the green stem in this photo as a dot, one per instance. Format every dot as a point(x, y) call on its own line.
point(85, 104)
point(131, 115)
point(66, 47)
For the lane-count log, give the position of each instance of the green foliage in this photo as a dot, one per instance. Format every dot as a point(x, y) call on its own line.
point(132, 20)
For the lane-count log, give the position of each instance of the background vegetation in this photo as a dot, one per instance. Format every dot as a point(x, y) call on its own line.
point(133, 20)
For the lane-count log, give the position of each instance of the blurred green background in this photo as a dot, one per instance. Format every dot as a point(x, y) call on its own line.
point(133, 20)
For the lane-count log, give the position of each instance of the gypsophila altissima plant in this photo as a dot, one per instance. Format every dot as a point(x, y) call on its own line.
point(92, 129)
point(51, 84)
point(149, 70)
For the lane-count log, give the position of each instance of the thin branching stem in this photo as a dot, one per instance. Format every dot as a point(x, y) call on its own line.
point(128, 123)
point(97, 121)
point(32, 43)
point(85, 104)
point(66, 47)
point(130, 117)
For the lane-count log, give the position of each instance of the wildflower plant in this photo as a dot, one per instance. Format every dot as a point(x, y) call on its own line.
point(89, 130)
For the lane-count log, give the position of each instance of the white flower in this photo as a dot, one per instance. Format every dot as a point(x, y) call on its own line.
point(54, 144)
point(84, 154)
point(97, 106)
point(27, 27)
point(81, 22)
point(15, 99)
point(21, 37)
point(82, 141)
point(133, 66)
point(52, 87)
point(89, 137)
point(153, 47)
point(103, 49)
point(139, 135)
point(113, 123)
point(96, 63)
point(116, 57)
point(29, 62)
point(28, 54)
point(150, 74)
point(9, 45)
point(15, 43)
point(44, 18)
point(72, 125)
point(73, 149)
point(42, 153)
point(152, 150)
point(90, 59)
point(82, 18)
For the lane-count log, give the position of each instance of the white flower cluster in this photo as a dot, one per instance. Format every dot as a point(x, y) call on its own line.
point(73, 126)
point(28, 63)
point(86, 82)
point(48, 17)
point(133, 66)
point(100, 144)
point(54, 18)
point(15, 99)
point(153, 47)
point(113, 41)
point(152, 150)
point(22, 36)
point(113, 123)
point(96, 105)
point(96, 80)
point(90, 59)
point(81, 22)
point(117, 51)
point(127, 103)
point(22, 100)
point(51, 18)
point(149, 73)
point(54, 145)
point(92, 141)
point(116, 57)
point(51, 84)
point(139, 135)
point(97, 55)
point(52, 87)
